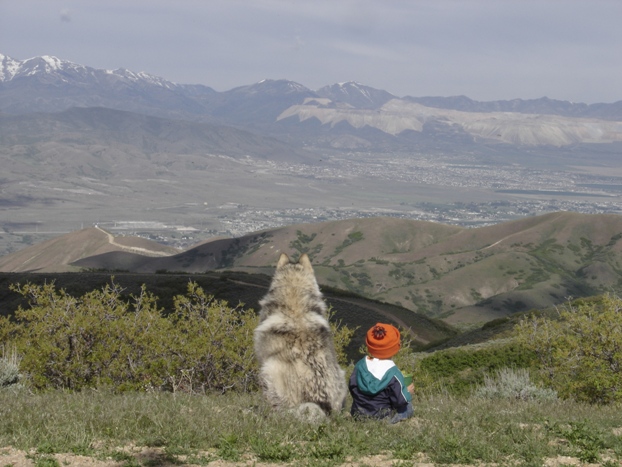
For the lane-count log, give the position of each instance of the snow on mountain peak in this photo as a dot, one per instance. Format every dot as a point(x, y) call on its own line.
point(53, 62)
point(296, 86)
point(69, 71)
point(141, 76)
point(350, 83)
point(283, 84)
point(8, 67)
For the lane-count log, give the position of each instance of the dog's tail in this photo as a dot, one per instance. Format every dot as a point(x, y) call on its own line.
point(310, 412)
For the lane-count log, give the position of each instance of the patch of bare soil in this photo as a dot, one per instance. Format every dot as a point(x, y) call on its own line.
point(156, 456)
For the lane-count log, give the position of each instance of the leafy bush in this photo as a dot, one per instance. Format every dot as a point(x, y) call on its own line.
point(96, 339)
point(213, 342)
point(580, 352)
point(102, 339)
point(342, 335)
point(513, 383)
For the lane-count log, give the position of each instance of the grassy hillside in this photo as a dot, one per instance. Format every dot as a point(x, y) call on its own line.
point(464, 276)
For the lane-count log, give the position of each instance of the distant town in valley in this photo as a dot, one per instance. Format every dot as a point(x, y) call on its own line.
point(521, 191)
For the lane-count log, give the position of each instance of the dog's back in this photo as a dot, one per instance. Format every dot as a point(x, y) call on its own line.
point(293, 342)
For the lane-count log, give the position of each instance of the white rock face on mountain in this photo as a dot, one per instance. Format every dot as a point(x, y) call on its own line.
point(391, 121)
point(398, 115)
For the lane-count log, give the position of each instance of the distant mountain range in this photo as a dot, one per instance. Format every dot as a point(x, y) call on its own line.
point(79, 145)
point(463, 276)
point(342, 116)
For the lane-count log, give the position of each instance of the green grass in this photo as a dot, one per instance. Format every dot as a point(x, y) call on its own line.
point(198, 429)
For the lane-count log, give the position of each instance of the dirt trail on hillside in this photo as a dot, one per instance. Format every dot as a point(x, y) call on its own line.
point(513, 234)
point(131, 249)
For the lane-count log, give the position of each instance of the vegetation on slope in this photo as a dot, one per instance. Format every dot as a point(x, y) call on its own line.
point(100, 339)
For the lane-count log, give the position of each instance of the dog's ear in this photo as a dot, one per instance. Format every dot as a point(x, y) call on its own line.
point(306, 262)
point(283, 260)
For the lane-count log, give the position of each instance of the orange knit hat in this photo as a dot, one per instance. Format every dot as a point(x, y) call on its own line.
point(383, 341)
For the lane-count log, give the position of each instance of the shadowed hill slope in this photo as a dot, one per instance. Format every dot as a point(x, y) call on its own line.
point(235, 288)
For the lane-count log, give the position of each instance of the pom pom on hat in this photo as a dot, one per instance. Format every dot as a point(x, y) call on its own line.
point(383, 341)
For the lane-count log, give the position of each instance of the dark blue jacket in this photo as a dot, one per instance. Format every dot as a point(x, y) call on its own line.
point(377, 388)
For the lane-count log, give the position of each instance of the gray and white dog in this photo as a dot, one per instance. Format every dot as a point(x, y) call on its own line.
point(294, 344)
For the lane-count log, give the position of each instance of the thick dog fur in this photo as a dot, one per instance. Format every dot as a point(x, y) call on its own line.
point(294, 344)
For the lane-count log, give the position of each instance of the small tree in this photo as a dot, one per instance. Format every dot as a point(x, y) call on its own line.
point(342, 335)
point(99, 338)
point(580, 353)
point(212, 343)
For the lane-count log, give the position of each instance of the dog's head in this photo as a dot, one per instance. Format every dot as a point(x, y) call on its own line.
point(294, 287)
point(304, 262)
point(295, 275)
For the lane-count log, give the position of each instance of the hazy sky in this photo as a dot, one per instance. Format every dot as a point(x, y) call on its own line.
point(484, 49)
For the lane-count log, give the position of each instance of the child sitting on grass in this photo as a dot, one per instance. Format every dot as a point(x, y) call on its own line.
point(377, 385)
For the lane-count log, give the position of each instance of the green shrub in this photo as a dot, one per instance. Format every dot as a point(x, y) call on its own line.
point(460, 370)
point(69, 342)
point(342, 335)
point(9, 367)
point(213, 343)
point(513, 383)
point(580, 353)
point(103, 339)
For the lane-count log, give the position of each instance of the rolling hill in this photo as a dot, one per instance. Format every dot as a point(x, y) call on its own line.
point(81, 146)
point(463, 276)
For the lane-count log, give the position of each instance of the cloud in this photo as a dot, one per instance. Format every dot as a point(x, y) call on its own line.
point(65, 16)
point(368, 51)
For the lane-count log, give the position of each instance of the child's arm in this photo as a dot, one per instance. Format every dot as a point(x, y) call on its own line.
point(398, 394)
